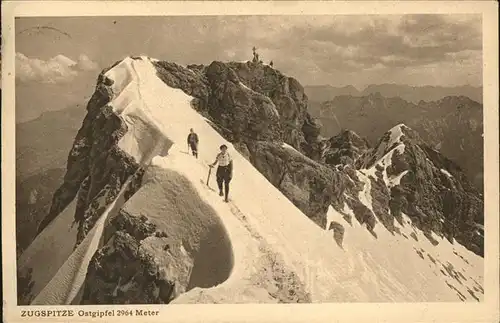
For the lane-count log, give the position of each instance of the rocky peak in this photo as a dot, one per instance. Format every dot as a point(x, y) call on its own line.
point(344, 148)
point(250, 101)
point(245, 113)
point(458, 100)
point(417, 180)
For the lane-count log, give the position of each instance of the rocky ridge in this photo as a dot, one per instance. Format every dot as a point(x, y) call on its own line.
point(310, 175)
point(264, 114)
point(438, 122)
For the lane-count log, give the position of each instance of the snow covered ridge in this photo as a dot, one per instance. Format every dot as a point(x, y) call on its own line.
point(402, 163)
point(183, 244)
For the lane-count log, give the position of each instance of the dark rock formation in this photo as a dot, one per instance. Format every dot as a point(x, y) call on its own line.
point(311, 186)
point(247, 114)
point(344, 148)
point(96, 167)
point(122, 272)
point(434, 191)
point(248, 102)
point(24, 287)
point(338, 232)
point(164, 241)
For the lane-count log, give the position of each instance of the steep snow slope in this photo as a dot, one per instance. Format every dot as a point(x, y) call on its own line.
point(263, 228)
point(65, 285)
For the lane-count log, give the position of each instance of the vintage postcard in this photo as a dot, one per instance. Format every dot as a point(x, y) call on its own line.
point(250, 161)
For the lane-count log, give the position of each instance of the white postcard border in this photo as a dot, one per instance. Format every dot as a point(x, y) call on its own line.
point(486, 311)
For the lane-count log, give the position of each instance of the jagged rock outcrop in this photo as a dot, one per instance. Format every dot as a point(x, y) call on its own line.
point(285, 92)
point(249, 101)
point(409, 176)
point(96, 168)
point(247, 114)
point(153, 254)
point(338, 232)
point(344, 148)
point(126, 269)
point(311, 186)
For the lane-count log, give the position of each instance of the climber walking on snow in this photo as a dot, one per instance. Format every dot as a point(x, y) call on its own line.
point(224, 171)
point(192, 141)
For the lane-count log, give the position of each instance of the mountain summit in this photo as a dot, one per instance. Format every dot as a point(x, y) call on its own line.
point(135, 221)
point(453, 125)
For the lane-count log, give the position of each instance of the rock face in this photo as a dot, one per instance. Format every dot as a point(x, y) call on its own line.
point(344, 148)
point(338, 232)
point(96, 168)
point(248, 102)
point(264, 113)
point(412, 178)
point(311, 186)
point(124, 272)
point(244, 112)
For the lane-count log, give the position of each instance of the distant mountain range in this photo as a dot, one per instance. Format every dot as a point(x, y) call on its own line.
point(415, 94)
point(452, 125)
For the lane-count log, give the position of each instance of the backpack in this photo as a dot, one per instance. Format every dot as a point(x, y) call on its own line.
point(193, 138)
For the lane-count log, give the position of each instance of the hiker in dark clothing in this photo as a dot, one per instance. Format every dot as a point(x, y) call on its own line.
point(224, 171)
point(192, 141)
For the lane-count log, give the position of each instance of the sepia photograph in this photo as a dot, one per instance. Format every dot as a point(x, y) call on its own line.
point(249, 159)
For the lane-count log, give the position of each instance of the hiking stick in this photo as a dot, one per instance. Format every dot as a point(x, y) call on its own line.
point(209, 172)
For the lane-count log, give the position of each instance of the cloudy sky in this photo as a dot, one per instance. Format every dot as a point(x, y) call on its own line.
point(338, 50)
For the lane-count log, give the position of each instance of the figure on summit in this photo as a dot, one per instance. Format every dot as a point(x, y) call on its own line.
point(224, 171)
point(192, 141)
point(255, 55)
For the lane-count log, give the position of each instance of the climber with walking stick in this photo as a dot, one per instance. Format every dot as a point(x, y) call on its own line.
point(224, 171)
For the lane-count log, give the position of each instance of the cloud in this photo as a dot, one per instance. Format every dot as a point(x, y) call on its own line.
point(58, 69)
point(408, 41)
point(421, 45)
point(341, 48)
point(325, 49)
point(86, 64)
